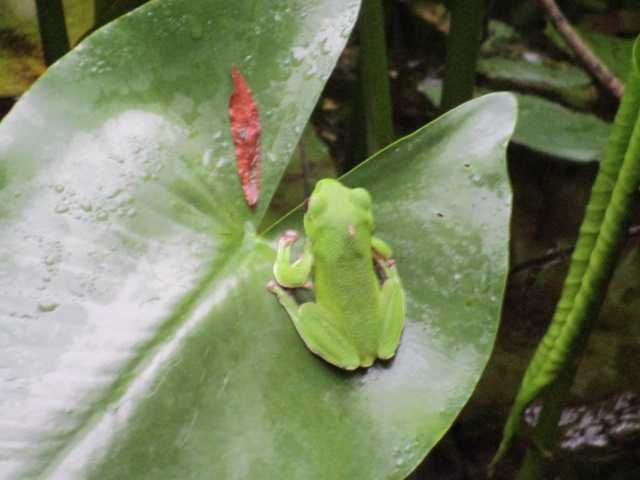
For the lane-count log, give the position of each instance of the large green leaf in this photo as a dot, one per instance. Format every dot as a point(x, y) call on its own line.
point(550, 128)
point(533, 72)
point(137, 338)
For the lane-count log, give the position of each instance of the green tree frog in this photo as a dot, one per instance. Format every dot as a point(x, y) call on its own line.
point(359, 307)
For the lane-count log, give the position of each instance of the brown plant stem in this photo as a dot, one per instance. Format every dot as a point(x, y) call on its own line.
point(586, 56)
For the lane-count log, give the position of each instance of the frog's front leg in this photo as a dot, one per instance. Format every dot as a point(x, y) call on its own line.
point(296, 274)
point(393, 309)
point(318, 330)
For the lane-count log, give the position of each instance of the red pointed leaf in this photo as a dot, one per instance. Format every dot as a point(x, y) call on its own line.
point(245, 130)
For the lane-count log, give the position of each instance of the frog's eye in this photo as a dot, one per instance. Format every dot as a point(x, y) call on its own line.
point(316, 205)
point(361, 197)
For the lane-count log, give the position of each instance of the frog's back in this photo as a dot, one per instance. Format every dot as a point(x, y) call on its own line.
point(353, 298)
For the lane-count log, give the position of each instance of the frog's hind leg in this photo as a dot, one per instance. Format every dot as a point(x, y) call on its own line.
point(324, 338)
point(285, 299)
point(319, 332)
point(393, 312)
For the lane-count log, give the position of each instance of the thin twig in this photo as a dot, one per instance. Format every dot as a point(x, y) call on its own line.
point(559, 255)
point(590, 61)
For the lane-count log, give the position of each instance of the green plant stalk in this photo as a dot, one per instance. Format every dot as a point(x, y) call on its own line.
point(535, 463)
point(53, 30)
point(588, 301)
point(374, 76)
point(564, 340)
point(463, 47)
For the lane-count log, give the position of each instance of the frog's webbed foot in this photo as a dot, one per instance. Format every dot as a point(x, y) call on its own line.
point(296, 274)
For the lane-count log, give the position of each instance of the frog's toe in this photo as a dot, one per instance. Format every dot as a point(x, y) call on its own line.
point(289, 238)
point(349, 366)
point(367, 362)
point(387, 354)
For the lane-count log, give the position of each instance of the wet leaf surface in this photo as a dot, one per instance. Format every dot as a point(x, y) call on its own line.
point(123, 221)
point(441, 199)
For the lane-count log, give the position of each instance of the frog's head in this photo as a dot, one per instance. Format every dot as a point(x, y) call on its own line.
point(336, 208)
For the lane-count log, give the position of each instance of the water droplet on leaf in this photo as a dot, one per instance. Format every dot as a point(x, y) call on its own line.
point(47, 306)
point(50, 260)
point(61, 208)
